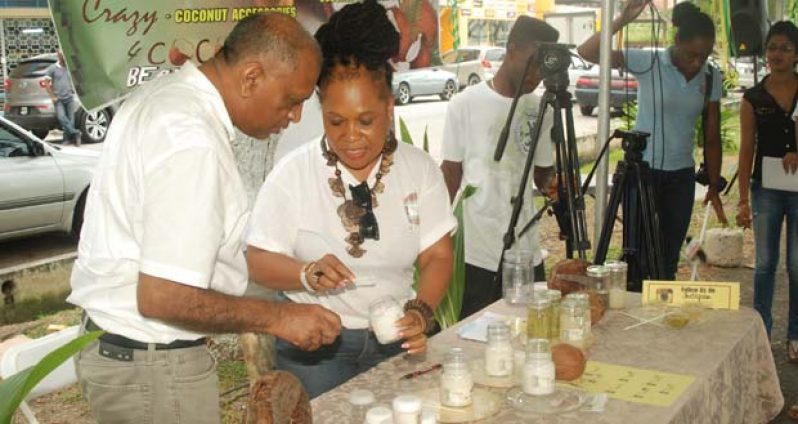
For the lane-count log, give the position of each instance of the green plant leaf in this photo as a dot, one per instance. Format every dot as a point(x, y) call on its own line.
point(426, 139)
point(14, 389)
point(404, 133)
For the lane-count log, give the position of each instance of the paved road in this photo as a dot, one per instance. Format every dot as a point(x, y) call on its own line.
point(425, 113)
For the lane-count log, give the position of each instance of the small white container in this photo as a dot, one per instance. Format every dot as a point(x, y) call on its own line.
point(383, 314)
point(539, 372)
point(360, 401)
point(499, 352)
point(406, 409)
point(379, 415)
point(456, 379)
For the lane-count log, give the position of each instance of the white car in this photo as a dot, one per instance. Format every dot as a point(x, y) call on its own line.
point(43, 186)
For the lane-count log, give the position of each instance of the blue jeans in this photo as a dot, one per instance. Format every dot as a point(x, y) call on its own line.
point(675, 194)
point(769, 208)
point(353, 352)
point(65, 111)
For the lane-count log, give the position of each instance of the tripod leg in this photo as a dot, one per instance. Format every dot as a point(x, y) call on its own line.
point(616, 195)
point(651, 223)
point(581, 237)
point(564, 180)
point(518, 200)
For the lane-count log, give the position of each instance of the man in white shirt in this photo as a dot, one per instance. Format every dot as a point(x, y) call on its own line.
point(474, 121)
point(161, 258)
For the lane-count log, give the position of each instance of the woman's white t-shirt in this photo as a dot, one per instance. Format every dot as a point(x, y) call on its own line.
point(296, 214)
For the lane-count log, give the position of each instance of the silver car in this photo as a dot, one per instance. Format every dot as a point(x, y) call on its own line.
point(43, 186)
point(473, 64)
point(423, 82)
point(28, 103)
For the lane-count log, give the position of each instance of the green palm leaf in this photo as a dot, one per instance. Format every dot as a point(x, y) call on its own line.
point(14, 389)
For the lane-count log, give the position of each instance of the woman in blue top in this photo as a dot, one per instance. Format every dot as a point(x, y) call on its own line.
point(670, 99)
point(767, 130)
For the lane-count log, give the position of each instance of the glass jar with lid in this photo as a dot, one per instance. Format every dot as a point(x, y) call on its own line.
point(572, 322)
point(599, 277)
point(499, 352)
point(617, 284)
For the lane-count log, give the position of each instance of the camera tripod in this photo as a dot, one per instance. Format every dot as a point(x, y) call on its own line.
point(569, 209)
point(631, 187)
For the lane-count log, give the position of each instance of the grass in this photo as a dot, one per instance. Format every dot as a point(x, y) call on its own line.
point(32, 308)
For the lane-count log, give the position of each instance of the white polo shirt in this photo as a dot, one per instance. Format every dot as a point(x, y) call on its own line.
point(295, 214)
point(166, 200)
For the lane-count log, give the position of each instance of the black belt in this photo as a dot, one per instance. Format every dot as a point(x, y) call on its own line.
point(122, 341)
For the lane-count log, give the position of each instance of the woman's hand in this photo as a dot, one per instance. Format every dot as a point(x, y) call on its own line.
point(790, 163)
point(632, 9)
point(411, 329)
point(744, 215)
point(329, 273)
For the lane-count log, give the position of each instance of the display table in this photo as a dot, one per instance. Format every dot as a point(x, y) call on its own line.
point(727, 352)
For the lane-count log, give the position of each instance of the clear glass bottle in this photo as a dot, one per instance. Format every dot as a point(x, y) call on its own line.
point(617, 283)
point(539, 373)
point(456, 380)
point(572, 323)
point(555, 297)
point(499, 352)
point(600, 283)
point(517, 276)
point(406, 409)
point(383, 314)
point(360, 402)
point(584, 302)
point(538, 321)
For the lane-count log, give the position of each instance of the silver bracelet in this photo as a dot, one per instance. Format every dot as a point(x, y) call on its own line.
point(303, 279)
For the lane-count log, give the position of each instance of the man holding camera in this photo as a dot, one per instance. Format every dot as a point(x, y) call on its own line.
point(474, 121)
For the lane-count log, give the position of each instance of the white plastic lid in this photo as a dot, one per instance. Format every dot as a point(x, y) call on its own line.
point(361, 397)
point(428, 417)
point(379, 415)
point(407, 404)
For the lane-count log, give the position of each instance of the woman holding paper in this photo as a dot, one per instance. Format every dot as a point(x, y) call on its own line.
point(767, 130)
point(345, 220)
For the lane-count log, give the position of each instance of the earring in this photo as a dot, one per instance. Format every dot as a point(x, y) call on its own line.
point(327, 153)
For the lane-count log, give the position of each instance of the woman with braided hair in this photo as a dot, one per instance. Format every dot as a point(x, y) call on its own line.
point(345, 220)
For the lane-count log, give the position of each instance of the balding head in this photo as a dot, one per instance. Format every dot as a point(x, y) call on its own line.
point(268, 35)
point(268, 66)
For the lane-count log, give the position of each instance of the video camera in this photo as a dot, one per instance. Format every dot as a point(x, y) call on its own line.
point(632, 141)
point(553, 58)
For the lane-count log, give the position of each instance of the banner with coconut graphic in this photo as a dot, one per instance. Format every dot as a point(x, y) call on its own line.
point(113, 46)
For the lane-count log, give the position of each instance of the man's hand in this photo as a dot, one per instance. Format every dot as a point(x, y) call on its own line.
point(552, 189)
point(712, 196)
point(790, 163)
point(307, 327)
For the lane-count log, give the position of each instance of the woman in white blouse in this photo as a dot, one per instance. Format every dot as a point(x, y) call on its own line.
point(345, 220)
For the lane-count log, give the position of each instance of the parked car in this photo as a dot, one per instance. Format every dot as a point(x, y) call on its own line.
point(43, 186)
point(423, 82)
point(623, 89)
point(28, 103)
point(473, 64)
point(576, 69)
